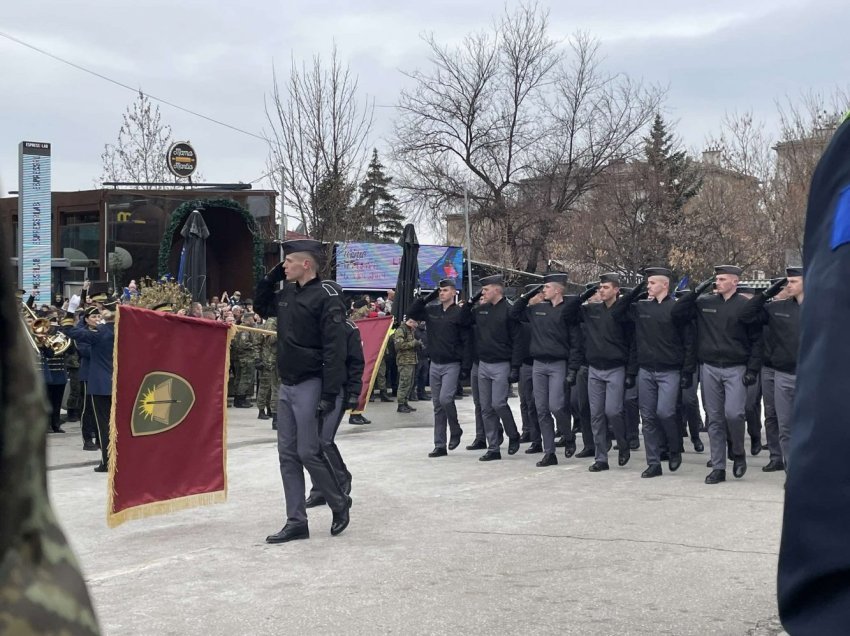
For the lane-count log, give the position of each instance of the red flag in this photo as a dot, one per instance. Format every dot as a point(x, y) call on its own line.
point(169, 405)
point(374, 333)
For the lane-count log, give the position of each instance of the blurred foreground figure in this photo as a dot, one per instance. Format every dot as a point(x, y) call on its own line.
point(814, 558)
point(41, 588)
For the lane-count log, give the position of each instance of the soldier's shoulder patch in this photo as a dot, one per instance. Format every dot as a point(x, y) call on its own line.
point(841, 220)
point(331, 291)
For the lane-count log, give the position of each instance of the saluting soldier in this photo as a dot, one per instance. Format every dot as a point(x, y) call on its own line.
point(551, 348)
point(311, 347)
point(348, 398)
point(607, 344)
point(666, 361)
point(781, 319)
point(528, 412)
point(727, 351)
point(447, 335)
point(498, 344)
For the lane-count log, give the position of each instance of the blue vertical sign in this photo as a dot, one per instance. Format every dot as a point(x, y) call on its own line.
point(34, 220)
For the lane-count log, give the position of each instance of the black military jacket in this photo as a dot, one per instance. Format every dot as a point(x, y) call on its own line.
point(782, 330)
point(447, 332)
point(311, 337)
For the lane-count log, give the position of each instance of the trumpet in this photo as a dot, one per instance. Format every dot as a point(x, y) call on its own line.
point(40, 333)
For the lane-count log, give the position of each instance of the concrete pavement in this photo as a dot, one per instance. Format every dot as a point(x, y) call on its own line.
point(435, 546)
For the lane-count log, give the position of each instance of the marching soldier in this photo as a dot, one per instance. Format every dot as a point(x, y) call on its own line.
point(447, 335)
point(498, 345)
point(551, 348)
point(607, 343)
point(666, 362)
point(348, 398)
point(752, 409)
point(269, 379)
point(311, 363)
point(782, 339)
point(528, 412)
point(727, 350)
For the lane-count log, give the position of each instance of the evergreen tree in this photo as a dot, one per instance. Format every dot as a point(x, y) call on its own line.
point(669, 178)
point(377, 206)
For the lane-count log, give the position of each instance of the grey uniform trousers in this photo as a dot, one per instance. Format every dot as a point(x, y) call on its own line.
point(493, 388)
point(771, 422)
point(330, 425)
point(444, 378)
point(298, 447)
point(784, 399)
point(548, 378)
point(480, 435)
point(631, 413)
point(580, 407)
point(527, 410)
point(605, 389)
point(691, 416)
point(659, 392)
point(752, 409)
point(725, 399)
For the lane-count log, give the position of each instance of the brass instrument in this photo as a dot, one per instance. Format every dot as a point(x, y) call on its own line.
point(40, 334)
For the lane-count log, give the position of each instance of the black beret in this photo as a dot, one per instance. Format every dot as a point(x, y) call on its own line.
point(610, 277)
point(658, 271)
point(793, 271)
point(310, 246)
point(556, 277)
point(495, 279)
point(732, 270)
point(448, 282)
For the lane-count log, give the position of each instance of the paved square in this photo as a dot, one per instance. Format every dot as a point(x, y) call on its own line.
point(435, 546)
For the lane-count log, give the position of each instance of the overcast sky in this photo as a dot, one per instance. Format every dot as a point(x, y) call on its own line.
point(216, 58)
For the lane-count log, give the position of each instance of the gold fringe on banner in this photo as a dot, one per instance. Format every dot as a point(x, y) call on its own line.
point(114, 519)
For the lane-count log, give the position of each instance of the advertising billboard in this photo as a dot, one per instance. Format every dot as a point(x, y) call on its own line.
point(34, 220)
point(375, 265)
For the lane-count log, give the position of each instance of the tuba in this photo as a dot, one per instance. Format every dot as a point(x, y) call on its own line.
point(40, 334)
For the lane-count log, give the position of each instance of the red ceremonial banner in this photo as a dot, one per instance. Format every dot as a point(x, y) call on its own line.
point(167, 446)
point(374, 334)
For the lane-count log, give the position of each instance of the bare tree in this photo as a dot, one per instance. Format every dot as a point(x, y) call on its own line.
point(139, 155)
point(521, 125)
point(319, 142)
point(471, 122)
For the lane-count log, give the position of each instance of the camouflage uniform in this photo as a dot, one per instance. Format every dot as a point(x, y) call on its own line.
point(74, 403)
point(244, 353)
point(41, 588)
point(405, 355)
point(269, 380)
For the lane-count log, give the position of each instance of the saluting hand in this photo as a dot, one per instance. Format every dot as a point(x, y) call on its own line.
point(589, 293)
point(704, 286)
point(774, 289)
point(432, 296)
point(531, 293)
